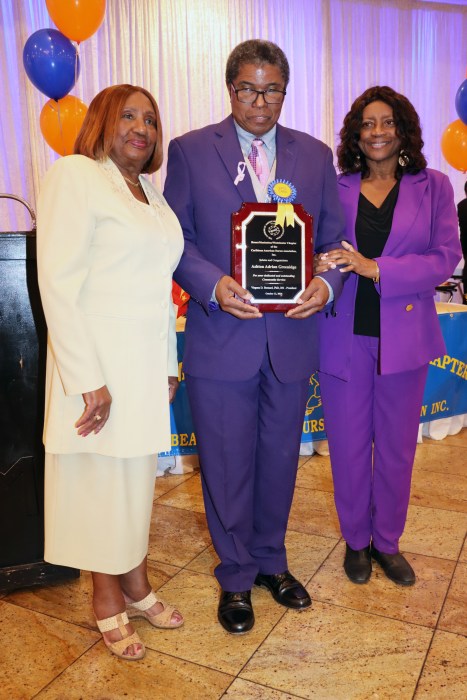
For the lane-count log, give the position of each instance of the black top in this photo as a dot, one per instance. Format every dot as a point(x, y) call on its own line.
point(372, 229)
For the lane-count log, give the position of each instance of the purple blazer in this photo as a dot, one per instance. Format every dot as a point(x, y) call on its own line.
point(201, 170)
point(421, 252)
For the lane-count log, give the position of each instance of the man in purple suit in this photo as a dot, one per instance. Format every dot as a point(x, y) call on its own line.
point(247, 373)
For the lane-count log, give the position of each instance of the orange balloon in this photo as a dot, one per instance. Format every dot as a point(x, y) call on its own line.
point(77, 19)
point(454, 145)
point(61, 121)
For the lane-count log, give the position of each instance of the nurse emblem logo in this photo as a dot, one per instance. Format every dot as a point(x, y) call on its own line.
point(273, 231)
point(314, 400)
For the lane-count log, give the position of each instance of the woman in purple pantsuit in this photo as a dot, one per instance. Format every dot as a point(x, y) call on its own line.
point(402, 235)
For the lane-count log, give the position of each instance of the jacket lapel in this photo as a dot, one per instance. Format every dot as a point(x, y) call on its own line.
point(286, 155)
point(349, 193)
point(228, 147)
point(411, 192)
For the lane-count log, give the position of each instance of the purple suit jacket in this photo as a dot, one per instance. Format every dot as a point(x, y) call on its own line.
point(421, 252)
point(202, 167)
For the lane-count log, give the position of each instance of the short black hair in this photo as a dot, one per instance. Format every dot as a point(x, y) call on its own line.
point(256, 51)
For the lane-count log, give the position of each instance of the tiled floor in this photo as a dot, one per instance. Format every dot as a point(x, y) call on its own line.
point(377, 641)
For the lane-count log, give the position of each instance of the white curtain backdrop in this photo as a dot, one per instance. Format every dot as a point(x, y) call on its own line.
point(178, 48)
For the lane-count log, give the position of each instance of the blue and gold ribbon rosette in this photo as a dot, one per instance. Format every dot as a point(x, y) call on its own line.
point(283, 193)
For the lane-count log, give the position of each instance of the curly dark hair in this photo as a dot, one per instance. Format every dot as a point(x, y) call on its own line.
point(256, 51)
point(350, 158)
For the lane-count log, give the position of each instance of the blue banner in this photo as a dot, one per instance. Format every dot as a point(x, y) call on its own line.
point(313, 424)
point(181, 423)
point(446, 387)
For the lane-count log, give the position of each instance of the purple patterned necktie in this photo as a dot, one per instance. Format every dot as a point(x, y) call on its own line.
point(259, 161)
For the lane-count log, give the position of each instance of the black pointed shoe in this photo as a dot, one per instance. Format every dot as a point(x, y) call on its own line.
point(285, 589)
point(395, 566)
point(235, 612)
point(357, 564)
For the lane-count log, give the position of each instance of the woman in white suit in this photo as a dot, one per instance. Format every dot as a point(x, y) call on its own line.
point(107, 246)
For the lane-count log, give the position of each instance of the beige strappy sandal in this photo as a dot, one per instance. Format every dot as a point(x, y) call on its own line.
point(118, 648)
point(162, 620)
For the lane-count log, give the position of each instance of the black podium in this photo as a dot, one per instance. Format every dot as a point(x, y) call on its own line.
point(23, 339)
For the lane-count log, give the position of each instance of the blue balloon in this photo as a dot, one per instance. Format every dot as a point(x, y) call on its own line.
point(461, 102)
point(51, 62)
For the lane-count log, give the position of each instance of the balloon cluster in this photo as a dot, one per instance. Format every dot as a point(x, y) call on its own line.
point(52, 64)
point(454, 139)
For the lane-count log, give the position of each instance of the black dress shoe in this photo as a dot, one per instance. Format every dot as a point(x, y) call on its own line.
point(357, 564)
point(395, 566)
point(235, 612)
point(285, 589)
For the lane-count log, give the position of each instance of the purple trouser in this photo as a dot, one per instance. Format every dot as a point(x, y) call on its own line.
point(372, 425)
point(248, 436)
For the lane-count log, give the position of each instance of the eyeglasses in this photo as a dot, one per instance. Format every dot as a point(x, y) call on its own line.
point(247, 95)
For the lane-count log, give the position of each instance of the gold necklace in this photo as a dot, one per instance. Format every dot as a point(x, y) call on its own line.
point(135, 184)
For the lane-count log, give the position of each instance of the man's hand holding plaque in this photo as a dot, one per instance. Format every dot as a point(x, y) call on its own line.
point(314, 298)
point(235, 300)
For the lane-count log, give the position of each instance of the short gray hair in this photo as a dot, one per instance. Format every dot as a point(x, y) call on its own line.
point(256, 51)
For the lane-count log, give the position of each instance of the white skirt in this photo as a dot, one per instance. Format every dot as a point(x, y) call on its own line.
point(98, 510)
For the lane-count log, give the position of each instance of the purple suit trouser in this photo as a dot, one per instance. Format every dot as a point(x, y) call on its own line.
point(248, 436)
point(372, 425)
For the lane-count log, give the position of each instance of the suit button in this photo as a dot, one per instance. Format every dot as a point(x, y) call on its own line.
point(409, 307)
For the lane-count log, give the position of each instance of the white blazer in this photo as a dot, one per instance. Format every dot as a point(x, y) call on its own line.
point(105, 264)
